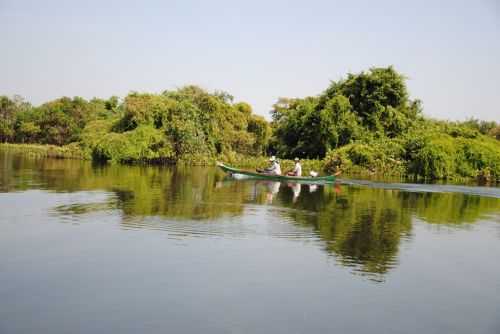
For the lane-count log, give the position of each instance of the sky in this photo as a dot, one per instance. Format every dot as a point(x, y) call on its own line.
point(255, 50)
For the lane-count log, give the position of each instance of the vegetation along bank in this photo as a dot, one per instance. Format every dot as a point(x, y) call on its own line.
point(364, 123)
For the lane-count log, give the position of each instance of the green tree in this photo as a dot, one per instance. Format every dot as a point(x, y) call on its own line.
point(379, 98)
point(360, 107)
point(62, 120)
point(28, 132)
point(261, 131)
point(10, 108)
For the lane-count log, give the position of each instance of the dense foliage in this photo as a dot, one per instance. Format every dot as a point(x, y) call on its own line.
point(185, 124)
point(364, 106)
point(365, 122)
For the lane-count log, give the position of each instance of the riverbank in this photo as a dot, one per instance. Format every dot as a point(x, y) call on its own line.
point(74, 151)
point(71, 151)
point(393, 170)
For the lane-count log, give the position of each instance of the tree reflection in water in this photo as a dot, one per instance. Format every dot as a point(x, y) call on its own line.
point(361, 227)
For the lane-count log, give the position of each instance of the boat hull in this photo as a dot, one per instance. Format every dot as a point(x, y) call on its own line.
point(284, 178)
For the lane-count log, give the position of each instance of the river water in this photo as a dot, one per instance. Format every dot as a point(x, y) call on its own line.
point(133, 249)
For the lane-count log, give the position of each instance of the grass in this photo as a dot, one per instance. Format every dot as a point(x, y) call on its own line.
point(71, 151)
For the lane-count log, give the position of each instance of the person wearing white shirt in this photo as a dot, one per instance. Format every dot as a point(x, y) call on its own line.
point(275, 168)
point(297, 169)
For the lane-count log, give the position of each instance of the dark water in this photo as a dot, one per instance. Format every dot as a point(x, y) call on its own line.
point(128, 249)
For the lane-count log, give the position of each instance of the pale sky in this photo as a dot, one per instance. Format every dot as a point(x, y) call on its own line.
point(255, 50)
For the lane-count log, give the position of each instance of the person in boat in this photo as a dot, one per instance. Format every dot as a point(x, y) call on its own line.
point(297, 169)
point(273, 169)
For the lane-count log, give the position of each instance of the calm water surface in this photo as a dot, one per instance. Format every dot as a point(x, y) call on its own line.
point(128, 249)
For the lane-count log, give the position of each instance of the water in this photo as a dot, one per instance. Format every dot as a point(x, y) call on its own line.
point(130, 249)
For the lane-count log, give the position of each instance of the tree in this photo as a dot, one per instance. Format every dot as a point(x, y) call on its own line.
point(261, 131)
point(28, 132)
point(9, 110)
point(378, 97)
point(495, 132)
point(362, 106)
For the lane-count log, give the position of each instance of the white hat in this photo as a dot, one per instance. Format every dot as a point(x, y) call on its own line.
point(273, 158)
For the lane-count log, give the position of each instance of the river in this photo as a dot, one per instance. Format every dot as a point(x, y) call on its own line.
point(135, 249)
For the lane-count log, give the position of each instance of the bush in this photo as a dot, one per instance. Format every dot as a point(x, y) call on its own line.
point(435, 158)
point(337, 160)
point(144, 143)
point(361, 154)
point(479, 157)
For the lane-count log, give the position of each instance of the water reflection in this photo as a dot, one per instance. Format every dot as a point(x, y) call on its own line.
point(361, 227)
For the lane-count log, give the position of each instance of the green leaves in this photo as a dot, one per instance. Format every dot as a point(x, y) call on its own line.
point(363, 106)
point(28, 132)
point(186, 124)
point(145, 143)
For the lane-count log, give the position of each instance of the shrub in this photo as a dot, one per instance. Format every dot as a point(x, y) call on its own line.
point(144, 143)
point(335, 160)
point(434, 158)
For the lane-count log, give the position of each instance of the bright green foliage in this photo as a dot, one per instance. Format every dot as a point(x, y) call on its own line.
point(261, 131)
point(186, 131)
point(301, 129)
point(434, 157)
point(379, 98)
point(144, 109)
point(95, 130)
point(71, 151)
point(381, 156)
point(28, 132)
point(58, 122)
point(7, 118)
point(446, 150)
point(9, 109)
point(479, 157)
point(342, 122)
point(144, 143)
point(62, 120)
point(368, 105)
point(187, 124)
point(244, 108)
point(296, 130)
point(209, 124)
point(367, 123)
point(425, 151)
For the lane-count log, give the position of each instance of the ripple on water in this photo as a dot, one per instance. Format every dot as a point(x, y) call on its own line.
point(256, 222)
point(73, 207)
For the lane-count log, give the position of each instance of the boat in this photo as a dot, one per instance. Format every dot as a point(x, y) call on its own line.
point(286, 178)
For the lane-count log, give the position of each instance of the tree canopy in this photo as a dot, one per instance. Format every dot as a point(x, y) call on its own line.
point(185, 123)
point(368, 104)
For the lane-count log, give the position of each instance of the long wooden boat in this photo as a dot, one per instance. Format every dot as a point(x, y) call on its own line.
point(264, 176)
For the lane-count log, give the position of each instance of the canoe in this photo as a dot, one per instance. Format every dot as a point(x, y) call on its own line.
point(263, 176)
